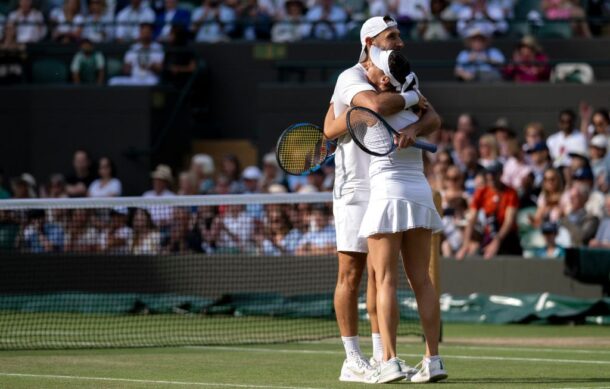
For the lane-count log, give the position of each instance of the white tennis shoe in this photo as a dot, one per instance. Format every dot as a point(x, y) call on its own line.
point(430, 371)
point(387, 372)
point(406, 369)
point(356, 370)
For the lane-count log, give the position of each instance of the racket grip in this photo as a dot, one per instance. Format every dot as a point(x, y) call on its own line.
point(425, 146)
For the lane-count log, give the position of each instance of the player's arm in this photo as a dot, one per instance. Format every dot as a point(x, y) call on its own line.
point(429, 122)
point(334, 127)
point(385, 103)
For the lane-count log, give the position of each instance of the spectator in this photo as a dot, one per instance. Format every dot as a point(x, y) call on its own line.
point(29, 22)
point(9, 231)
point(598, 12)
point(439, 171)
point(454, 221)
point(24, 187)
point(549, 201)
point(594, 123)
point(581, 225)
point(40, 236)
point(277, 237)
point(290, 27)
point(316, 180)
point(67, 22)
point(272, 174)
point(12, 57)
point(255, 20)
point(496, 205)
point(213, 22)
point(583, 177)
point(326, 20)
point(602, 236)
point(539, 162)
point(504, 134)
point(143, 62)
point(459, 143)
point(187, 184)
point(472, 170)
point(569, 10)
point(118, 238)
point(551, 250)
point(98, 24)
point(378, 8)
point(488, 151)
point(88, 65)
point(202, 167)
point(529, 64)
point(483, 16)
point(479, 61)
point(231, 169)
point(56, 187)
point(567, 135)
point(107, 185)
point(515, 168)
point(597, 150)
point(170, 17)
point(409, 11)
point(180, 63)
point(81, 235)
point(204, 220)
point(453, 187)
point(235, 230)
point(534, 134)
point(320, 239)
point(162, 180)
point(131, 18)
point(82, 176)
point(146, 237)
point(435, 26)
point(467, 124)
point(185, 236)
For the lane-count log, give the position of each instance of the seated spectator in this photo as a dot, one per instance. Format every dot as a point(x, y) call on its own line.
point(529, 64)
point(171, 16)
point(107, 185)
point(82, 176)
point(213, 22)
point(515, 168)
point(56, 187)
point(185, 236)
point(143, 62)
point(583, 178)
point(479, 61)
point(539, 162)
point(40, 236)
point(594, 122)
point(255, 20)
point(472, 170)
point(9, 231)
point(81, 235)
point(316, 180)
point(203, 169)
point(277, 237)
point(467, 124)
point(409, 11)
point(130, 19)
point(29, 22)
point(187, 184)
point(453, 187)
point(162, 180)
point(569, 10)
point(24, 187)
point(235, 230)
point(67, 22)
point(597, 151)
point(12, 57)
point(552, 249)
point(208, 229)
point(326, 20)
point(146, 238)
point(504, 135)
point(489, 151)
point(118, 238)
point(581, 225)
point(435, 26)
point(567, 136)
point(454, 221)
point(549, 201)
point(290, 27)
point(231, 169)
point(484, 16)
point(496, 207)
point(602, 236)
point(534, 135)
point(179, 64)
point(88, 65)
point(320, 238)
point(272, 174)
point(98, 24)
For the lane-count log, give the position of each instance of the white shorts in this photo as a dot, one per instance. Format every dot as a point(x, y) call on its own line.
point(349, 211)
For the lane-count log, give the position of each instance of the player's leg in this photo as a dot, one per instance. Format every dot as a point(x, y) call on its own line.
point(371, 307)
point(416, 259)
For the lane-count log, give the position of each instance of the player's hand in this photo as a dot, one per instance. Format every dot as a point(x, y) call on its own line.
point(407, 137)
point(423, 102)
point(491, 249)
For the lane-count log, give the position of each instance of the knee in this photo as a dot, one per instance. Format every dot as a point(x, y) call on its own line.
point(349, 279)
point(420, 282)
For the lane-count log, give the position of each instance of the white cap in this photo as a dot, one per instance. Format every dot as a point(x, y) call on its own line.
point(373, 27)
point(600, 141)
point(277, 188)
point(380, 58)
point(270, 159)
point(252, 173)
point(205, 162)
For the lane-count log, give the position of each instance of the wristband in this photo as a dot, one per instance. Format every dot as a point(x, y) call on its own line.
point(411, 98)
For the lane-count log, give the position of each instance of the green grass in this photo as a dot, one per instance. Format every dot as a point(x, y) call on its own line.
point(528, 363)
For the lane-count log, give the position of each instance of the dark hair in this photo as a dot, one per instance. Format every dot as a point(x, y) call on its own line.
point(399, 66)
point(604, 113)
point(181, 36)
point(113, 171)
point(568, 112)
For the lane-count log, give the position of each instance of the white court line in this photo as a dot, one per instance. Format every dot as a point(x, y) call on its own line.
point(108, 379)
point(587, 387)
point(472, 357)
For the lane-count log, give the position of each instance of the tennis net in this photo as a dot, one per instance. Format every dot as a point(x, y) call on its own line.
point(188, 270)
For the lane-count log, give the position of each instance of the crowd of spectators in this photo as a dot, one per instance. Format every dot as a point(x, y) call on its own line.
point(534, 196)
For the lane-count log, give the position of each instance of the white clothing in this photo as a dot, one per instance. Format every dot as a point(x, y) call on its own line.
point(111, 189)
point(160, 214)
point(149, 245)
point(401, 198)
point(129, 20)
point(237, 231)
point(210, 31)
point(413, 9)
point(140, 58)
point(58, 17)
point(98, 30)
point(30, 27)
point(124, 233)
point(351, 189)
point(321, 238)
point(378, 8)
point(332, 27)
point(495, 23)
point(559, 145)
point(514, 172)
point(288, 30)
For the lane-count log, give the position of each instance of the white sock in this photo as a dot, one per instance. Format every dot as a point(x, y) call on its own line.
point(352, 346)
point(432, 358)
point(377, 346)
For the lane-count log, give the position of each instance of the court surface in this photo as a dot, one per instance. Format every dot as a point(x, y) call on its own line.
point(477, 356)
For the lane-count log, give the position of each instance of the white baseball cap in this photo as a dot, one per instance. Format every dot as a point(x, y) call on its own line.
point(252, 173)
point(373, 27)
point(600, 141)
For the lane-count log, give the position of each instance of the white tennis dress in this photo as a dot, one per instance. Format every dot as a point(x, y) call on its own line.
point(401, 198)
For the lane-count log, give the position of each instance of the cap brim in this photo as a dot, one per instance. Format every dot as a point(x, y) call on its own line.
point(363, 55)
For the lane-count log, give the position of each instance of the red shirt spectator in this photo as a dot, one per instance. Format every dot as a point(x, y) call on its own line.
point(529, 63)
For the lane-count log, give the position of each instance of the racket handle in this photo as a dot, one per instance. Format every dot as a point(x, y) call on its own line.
point(425, 146)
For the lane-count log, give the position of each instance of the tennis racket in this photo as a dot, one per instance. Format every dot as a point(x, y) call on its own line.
point(302, 149)
point(374, 135)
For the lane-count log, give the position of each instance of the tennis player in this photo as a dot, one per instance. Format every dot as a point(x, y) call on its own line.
point(351, 191)
point(400, 218)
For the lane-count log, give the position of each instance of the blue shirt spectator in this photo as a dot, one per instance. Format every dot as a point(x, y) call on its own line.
point(40, 236)
point(171, 15)
point(479, 61)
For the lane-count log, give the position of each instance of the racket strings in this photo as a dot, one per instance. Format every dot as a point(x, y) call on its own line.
point(370, 132)
point(302, 148)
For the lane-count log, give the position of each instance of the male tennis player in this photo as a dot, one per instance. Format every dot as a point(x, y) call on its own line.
point(351, 191)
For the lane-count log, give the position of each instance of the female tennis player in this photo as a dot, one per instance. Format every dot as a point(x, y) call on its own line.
point(400, 218)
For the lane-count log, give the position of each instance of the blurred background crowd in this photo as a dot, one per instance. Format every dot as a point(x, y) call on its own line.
point(501, 194)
